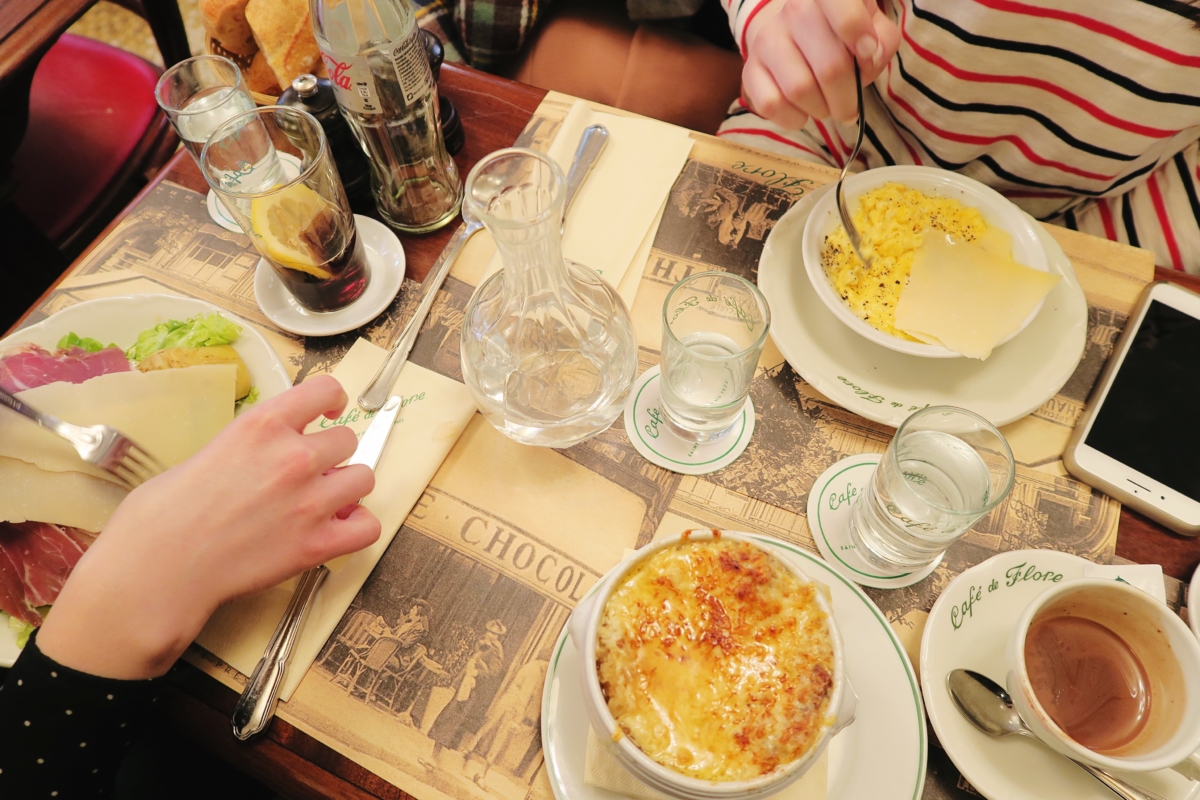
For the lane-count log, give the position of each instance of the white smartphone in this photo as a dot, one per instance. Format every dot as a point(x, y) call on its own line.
point(1139, 438)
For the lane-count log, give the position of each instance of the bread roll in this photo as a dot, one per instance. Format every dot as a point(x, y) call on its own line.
point(284, 34)
point(225, 21)
point(260, 77)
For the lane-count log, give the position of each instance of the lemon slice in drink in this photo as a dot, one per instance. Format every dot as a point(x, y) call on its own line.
point(285, 223)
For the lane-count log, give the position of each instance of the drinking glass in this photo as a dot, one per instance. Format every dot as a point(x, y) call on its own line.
point(302, 226)
point(945, 468)
point(714, 328)
point(198, 95)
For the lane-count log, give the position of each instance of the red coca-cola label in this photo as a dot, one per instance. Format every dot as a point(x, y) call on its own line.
point(353, 83)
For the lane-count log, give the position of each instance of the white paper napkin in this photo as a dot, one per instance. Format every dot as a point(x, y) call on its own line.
point(1147, 577)
point(615, 215)
point(436, 411)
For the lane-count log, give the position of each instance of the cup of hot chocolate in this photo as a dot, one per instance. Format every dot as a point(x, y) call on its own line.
point(1106, 674)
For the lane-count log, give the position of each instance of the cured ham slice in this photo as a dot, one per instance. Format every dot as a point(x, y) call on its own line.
point(27, 366)
point(35, 560)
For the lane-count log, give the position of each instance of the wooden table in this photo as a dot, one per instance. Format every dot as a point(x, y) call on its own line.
point(494, 111)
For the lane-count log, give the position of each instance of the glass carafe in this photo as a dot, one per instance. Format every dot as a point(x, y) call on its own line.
point(548, 349)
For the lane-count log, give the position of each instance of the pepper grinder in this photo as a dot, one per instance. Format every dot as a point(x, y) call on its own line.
point(316, 96)
point(452, 128)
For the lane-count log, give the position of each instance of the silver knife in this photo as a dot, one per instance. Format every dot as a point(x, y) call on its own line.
point(256, 706)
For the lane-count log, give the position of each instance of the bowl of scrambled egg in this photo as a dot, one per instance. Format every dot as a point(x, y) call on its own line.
point(954, 266)
point(712, 669)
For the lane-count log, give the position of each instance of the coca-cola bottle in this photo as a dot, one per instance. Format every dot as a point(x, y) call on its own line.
point(376, 59)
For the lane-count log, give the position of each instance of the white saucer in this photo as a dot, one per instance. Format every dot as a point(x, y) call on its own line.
point(881, 756)
point(658, 444)
point(886, 386)
point(972, 635)
point(829, 502)
point(1194, 602)
point(386, 258)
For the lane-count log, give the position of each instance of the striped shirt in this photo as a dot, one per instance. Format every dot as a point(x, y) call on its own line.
point(1085, 113)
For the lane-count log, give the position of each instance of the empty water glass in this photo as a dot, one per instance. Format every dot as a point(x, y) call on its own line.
point(714, 328)
point(944, 469)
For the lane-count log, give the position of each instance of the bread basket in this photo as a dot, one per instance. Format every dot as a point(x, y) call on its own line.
point(213, 48)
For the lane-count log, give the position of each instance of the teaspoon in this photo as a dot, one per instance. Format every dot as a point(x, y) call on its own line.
point(990, 709)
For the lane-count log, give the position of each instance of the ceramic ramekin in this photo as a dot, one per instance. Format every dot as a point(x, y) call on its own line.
point(997, 212)
point(583, 626)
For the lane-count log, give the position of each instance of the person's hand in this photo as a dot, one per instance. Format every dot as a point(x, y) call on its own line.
point(260, 503)
point(800, 58)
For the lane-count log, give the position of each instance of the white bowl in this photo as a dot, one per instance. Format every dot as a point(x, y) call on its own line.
point(997, 212)
point(582, 626)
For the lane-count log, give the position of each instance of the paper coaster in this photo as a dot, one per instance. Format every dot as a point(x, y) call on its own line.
point(221, 215)
point(829, 502)
point(652, 437)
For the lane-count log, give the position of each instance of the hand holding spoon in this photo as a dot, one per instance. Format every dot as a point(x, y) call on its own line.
point(989, 708)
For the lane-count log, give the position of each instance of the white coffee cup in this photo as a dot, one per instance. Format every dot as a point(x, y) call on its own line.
point(1168, 651)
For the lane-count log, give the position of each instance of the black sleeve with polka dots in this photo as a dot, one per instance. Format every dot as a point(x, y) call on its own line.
point(63, 733)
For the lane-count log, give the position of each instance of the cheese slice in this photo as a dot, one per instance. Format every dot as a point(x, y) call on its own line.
point(968, 296)
point(28, 492)
point(169, 413)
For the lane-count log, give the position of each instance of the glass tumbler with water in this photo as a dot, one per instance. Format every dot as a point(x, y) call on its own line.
point(301, 224)
point(198, 95)
point(714, 328)
point(945, 468)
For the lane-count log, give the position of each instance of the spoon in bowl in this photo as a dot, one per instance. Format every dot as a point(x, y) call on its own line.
point(990, 709)
point(847, 220)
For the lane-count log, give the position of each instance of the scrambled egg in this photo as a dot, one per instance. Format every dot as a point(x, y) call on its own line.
point(892, 220)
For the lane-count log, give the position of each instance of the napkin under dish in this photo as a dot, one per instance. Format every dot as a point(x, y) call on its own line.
point(614, 216)
point(601, 769)
point(1147, 577)
point(436, 411)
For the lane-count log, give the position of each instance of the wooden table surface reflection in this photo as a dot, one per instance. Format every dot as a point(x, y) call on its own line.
point(494, 111)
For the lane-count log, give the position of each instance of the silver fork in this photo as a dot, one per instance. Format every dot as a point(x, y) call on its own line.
point(99, 445)
point(847, 220)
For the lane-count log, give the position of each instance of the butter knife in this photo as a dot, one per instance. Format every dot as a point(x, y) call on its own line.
point(256, 706)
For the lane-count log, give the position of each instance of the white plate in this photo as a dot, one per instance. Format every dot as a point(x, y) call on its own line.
point(886, 386)
point(881, 756)
point(386, 257)
point(119, 320)
point(972, 635)
point(1194, 602)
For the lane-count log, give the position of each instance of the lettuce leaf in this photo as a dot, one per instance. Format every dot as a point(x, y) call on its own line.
point(250, 399)
point(24, 629)
point(73, 339)
point(202, 330)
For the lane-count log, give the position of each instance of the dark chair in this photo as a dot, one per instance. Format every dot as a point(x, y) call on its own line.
point(94, 138)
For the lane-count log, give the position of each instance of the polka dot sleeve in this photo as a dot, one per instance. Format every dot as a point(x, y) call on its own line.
point(64, 732)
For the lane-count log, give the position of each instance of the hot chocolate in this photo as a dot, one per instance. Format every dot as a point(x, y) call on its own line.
point(1088, 680)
